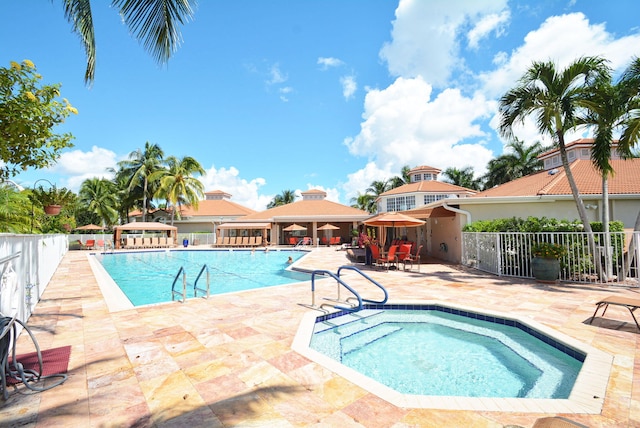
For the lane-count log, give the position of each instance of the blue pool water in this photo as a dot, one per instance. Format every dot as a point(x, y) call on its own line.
point(430, 352)
point(146, 277)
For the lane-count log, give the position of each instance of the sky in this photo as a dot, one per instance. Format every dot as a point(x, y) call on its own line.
point(295, 95)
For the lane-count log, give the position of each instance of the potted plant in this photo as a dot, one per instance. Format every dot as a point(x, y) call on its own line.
point(51, 199)
point(545, 264)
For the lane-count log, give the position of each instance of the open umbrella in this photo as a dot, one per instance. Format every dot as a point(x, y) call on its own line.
point(90, 227)
point(393, 220)
point(328, 227)
point(294, 227)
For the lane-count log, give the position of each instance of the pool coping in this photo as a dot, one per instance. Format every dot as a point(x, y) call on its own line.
point(587, 395)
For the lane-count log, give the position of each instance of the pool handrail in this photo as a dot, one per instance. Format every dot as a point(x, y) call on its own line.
point(376, 283)
point(195, 284)
point(184, 285)
point(341, 282)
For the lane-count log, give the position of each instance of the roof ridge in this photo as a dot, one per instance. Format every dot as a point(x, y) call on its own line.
point(556, 179)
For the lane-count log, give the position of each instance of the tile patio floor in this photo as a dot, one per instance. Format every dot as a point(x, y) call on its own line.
point(227, 361)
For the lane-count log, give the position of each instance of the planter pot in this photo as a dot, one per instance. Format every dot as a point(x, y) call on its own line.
point(52, 209)
point(545, 270)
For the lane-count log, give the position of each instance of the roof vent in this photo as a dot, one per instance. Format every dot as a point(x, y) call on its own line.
point(553, 171)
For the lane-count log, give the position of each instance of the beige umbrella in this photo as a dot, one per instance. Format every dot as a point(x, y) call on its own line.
point(393, 219)
point(294, 227)
point(90, 227)
point(328, 227)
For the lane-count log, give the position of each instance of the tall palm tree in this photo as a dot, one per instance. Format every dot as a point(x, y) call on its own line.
point(100, 197)
point(611, 108)
point(375, 189)
point(555, 98)
point(462, 177)
point(286, 197)
point(178, 184)
point(139, 167)
point(521, 161)
point(152, 22)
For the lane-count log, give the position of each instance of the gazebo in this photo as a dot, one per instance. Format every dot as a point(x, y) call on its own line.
point(172, 231)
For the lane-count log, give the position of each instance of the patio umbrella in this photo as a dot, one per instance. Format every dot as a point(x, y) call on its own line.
point(294, 227)
point(393, 220)
point(90, 227)
point(328, 227)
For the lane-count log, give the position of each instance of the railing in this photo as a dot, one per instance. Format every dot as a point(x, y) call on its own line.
point(195, 284)
point(509, 254)
point(182, 293)
point(340, 282)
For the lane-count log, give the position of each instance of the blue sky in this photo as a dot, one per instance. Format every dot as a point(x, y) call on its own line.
point(331, 94)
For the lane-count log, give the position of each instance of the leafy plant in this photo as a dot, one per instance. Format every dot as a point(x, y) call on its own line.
point(52, 196)
point(548, 250)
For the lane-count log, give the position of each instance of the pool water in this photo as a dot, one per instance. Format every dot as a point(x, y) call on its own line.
point(429, 352)
point(146, 277)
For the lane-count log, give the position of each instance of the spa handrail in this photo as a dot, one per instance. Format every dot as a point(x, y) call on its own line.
point(195, 284)
point(376, 283)
point(341, 282)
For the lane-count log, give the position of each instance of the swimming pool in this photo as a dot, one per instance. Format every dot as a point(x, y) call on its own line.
point(146, 277)
point(422, 355)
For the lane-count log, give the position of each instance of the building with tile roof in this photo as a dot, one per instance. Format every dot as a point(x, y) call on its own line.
point(312, 212)
point(542, 194)
point(215, 209)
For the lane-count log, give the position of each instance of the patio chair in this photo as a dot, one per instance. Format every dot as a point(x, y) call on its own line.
point(130, 243)
point(90, 244)
point(293, 240)
point(375, 254)
point(155, 242)
point(404, 255)
point(390, 258)
point(413, 258)
point(628, 302)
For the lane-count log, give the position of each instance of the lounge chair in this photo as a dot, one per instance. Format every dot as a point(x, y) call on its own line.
point(90, 244)
point(162, 242)
point(390, 258)
point(245, 241)
point(130, 243)
point(232, 241)
point(253, 241)
point(155, 242)
point(630, 303)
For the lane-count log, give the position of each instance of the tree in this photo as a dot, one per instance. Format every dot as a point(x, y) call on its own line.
point(519, 162)
point(177, 183)
point(99, 196)
point(286, 197)
point(29, 111)
point(365, 202)
point(402, 179)
point(611, 108)
point(137, 170)
point(555, 98)
point(462, 177)
point(15, 214)
point(152, 22)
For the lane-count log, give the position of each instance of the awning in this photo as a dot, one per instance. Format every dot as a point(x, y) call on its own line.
point(245, 226)
point(436, 212)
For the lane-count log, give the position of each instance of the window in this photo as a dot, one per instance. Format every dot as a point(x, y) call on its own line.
point(401, 203)
point(434, 197)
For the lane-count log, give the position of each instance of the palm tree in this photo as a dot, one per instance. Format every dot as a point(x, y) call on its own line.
point(402, 179)
point(554, 97)
point(177, 183)
point(520, 162)
point(152, 22)
point(611, 108)
point(462, 177)
point(100, 197)
point(286, 197)
point(364, 202)
point(139, 167)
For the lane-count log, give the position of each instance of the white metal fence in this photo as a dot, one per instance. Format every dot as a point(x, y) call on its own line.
point(509, 254)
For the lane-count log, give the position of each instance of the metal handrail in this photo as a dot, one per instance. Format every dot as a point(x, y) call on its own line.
point(355, 269)
point(195, 284)
point(341, 282)
point(184, 285)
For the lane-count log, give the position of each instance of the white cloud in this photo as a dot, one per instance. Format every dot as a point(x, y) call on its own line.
point(360, 180)
point(333, 194)
point(78, 166)
point(494, 22)
point(276, 75)
point(242, 191)
point(425, 36)
point(326, 63)
point(349, 86)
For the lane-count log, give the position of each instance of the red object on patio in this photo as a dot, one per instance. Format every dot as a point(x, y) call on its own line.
point(54, 361)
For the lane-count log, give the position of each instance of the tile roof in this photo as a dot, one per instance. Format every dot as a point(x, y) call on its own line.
point(625, 181)
point(216, 207)
point(433, 186)
point(307, 208)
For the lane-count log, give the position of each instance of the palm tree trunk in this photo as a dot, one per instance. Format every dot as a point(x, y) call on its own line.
point(144, 200)
point(634, 251)
point(608, 263)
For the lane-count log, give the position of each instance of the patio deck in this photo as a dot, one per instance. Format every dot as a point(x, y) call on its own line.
point(227, 361)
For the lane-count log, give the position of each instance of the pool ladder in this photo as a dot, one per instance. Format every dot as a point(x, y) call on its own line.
point(183, 293)
point(354, 302)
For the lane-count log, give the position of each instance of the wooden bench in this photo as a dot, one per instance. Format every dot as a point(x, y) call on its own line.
point(628, 302)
